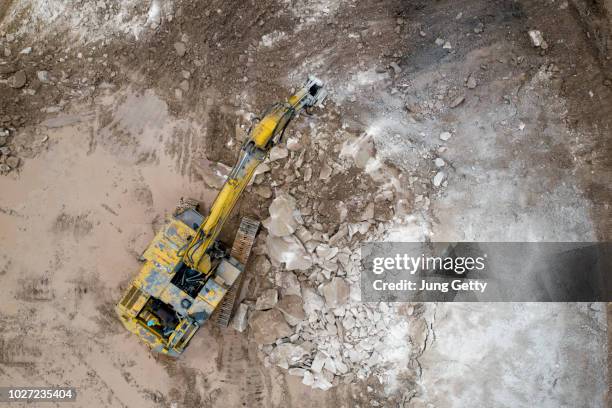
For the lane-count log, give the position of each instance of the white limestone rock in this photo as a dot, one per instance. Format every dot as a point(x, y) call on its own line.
point(239, 321)
point(278, 153)
point(282, 220)
point(438, 178)
point(288, 250)
point(287, 354)
point(336, 292)
point(312, 301)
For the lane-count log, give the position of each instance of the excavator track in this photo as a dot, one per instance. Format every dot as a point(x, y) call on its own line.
point(241, 249)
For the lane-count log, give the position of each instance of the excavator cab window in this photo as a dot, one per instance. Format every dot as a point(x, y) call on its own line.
point(159, 317)
point(314, 89)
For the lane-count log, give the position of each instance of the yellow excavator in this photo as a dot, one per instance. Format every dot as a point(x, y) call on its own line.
point(186, 270)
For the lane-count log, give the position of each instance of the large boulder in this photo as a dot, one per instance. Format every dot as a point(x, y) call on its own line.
point(292, 308)
point(267, 300)
point(282, 221)
point(288, 250)
point(268, 326)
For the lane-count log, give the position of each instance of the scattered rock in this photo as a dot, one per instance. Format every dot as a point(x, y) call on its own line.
point(293, 144)
point(288, 250)
point(368, 213)
point(292, 308)
point(326, 172)
point(447, 45)
point(396, 68)
point(321, 382)
point(43, 76)
point(288, 282)
point(268, 326)
point(263, 191)
point(537, 39)
point(278, 152)
point(457, 101)
point(13, 162)
point(317, 362)
point(18, 80)
point(239, 321)
point(180, 48)
point(184, 85)
point(325, 252)
point(261, 265)
point(267, 300)
point(26, 51)
point(312, 301)
point(437, 180)
point(336, 292)
point(439, 41)
point(471, 82)
point(287, 354)
point(298, 372)
point(282, 221)
point(307, 174)
point(445, 136)
point(361, 150)
point(308, 379)
point(439, 162)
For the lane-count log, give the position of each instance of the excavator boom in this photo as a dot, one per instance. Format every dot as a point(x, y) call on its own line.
point(265, 134)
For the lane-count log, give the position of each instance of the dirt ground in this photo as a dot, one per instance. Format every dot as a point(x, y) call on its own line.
point(125, 122)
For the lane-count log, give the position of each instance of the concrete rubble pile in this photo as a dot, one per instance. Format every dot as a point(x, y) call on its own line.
point(311, 322)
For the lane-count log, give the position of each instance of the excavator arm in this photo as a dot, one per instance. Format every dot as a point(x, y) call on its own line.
point(186, 274)
point(265, 134)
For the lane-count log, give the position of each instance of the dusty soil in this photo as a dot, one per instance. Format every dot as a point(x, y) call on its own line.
point(124, 125)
